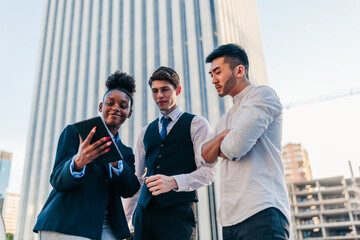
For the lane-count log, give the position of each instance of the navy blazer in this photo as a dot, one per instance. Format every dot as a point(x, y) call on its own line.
point(77, 206)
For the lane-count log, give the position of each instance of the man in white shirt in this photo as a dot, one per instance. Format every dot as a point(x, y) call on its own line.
point(253, 201)
point(165, 160)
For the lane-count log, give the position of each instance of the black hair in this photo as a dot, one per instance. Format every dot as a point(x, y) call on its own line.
point(234, 55)
point(165, 74)
point(122, 82)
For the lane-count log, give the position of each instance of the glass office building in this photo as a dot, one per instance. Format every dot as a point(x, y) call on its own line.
point(84, 41)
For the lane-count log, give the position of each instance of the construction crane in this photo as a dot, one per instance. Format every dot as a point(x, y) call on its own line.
point(346, 93)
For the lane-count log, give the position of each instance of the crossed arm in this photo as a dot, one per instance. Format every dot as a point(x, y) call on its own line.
point(248, 123)
point(211, 150)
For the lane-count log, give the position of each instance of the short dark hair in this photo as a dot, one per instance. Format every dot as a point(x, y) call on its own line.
point(165, 74)
point(234, 55)
point(122, 82)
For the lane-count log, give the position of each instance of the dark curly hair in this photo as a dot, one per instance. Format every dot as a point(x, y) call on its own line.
point(122, 82)
point(165, 74)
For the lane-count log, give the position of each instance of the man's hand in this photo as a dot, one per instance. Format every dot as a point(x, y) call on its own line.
point(158, 184)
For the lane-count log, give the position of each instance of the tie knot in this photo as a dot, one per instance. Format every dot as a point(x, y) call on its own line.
point(165, 121)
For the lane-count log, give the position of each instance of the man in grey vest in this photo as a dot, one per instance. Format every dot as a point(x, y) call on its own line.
point(165, 160)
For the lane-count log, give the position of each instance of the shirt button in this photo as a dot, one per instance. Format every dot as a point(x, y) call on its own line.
point(162, 145)
point(160, 156)
point(158, 167)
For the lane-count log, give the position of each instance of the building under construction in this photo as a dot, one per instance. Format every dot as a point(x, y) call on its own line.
point(327, 208)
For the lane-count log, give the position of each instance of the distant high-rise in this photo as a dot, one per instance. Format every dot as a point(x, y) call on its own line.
point(10, 211)
point(296, 163)
point(5, 166)
point(84, 41)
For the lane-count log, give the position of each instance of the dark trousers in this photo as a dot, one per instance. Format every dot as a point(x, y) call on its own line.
point(268, 224)
point(156, 223)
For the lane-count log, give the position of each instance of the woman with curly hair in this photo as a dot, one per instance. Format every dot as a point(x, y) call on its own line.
point(85, 201)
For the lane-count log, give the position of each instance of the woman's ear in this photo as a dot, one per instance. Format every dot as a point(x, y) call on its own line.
point(100, 106)
point(129, 113)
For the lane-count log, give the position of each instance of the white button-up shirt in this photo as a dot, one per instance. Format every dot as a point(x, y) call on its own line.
point(199, 131)
point(252, 176)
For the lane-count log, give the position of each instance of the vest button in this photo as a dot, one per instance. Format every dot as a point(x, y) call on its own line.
point(162, 145)
point(158, 167)
point(160, 156)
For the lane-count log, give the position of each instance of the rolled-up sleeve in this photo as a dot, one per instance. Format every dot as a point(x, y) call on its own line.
point(202, 160)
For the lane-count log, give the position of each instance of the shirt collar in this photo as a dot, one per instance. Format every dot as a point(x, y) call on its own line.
point(115, 138)
point(239, 96)
point(173, 115)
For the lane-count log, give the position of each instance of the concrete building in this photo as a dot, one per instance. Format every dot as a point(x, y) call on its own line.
point(5, 167)
point(327, 208)
point(84, 41)
point(10, 211)
point(296, 163)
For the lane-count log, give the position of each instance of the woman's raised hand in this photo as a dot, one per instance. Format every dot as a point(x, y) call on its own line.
point(89, 152)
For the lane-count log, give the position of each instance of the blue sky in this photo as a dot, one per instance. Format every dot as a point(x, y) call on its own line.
point(20, 25)
point(311, 50)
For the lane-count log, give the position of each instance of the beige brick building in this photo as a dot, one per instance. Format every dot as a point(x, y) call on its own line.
point(296, 163)
point(10, 211)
